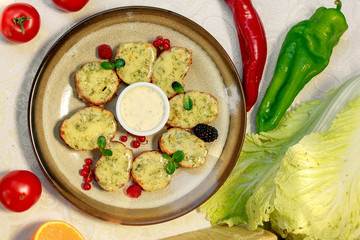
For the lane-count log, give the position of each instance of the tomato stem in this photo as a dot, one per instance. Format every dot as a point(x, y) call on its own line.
point(20, 21)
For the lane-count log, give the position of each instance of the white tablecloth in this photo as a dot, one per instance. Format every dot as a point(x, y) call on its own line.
point(19, 63)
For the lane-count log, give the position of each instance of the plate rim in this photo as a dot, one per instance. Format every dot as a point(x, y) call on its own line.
point(37, 79)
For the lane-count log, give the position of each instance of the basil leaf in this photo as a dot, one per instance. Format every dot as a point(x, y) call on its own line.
point(106, 65)
point(107, 152)
point(101, 142)
point(170, 168)
point(176, 165)
point(119, 63)
point(177, 87)
point(178, 156)
point(187, 102)
point(166, 156)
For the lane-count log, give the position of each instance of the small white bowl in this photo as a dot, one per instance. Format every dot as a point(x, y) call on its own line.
point(159, 125)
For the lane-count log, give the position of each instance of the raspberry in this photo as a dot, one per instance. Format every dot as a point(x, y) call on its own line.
point(206, 132)
point(104, 51)
point(134, 191)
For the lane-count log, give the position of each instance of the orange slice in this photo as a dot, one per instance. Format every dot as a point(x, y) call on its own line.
point(56, 230)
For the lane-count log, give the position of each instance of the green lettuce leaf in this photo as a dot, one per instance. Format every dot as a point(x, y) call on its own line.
point(258, 154)
point(318, 182)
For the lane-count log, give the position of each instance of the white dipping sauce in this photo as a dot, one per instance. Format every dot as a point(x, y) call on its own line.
point(142, 108)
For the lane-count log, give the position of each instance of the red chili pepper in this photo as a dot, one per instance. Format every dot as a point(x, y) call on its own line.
point(253, 47)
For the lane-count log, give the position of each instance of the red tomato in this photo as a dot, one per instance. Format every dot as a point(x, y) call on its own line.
point(19, 22)
point(70, 5)
point(19, 190)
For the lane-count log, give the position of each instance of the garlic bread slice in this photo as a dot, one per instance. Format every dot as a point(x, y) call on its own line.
point(139, 61)
point(113, 172)
point(149, 171)
point(170, 66)
point(95, 85)
point(205, 109)
point(82, 129)
point(178, 139)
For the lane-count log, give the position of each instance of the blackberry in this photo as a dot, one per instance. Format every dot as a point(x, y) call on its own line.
point(206, 132)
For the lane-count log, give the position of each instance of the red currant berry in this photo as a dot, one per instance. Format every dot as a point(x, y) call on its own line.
point(84, 172)
point(86, 186)
point(135, 144)
point(160, 42)
point(87, 166)
point(141, 138)
point(134, 191)
point(88, 161)
point(155, 43)
point(166, 46)
point(88, 178)
point(160, 37)
point(123, 138)
point(167, 41)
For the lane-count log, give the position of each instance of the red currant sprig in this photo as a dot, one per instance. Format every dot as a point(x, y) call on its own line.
point(161, 43)
point(87, 174)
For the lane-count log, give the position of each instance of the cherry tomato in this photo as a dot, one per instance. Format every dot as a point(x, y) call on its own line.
point(19, 190)
point(19, 22)
point(70, 5)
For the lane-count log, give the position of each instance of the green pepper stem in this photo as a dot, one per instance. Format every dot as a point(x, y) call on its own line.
point(338, 4)
point(20, 21)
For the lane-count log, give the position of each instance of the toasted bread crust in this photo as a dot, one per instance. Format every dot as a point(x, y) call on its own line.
point(149, 172)
point(178, 139)
point(104, 89)
point(165, 73)
point(113, 172)
point(75, 133)
point(205, 110)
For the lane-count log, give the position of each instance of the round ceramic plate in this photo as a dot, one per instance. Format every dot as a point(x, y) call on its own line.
point(52, 100)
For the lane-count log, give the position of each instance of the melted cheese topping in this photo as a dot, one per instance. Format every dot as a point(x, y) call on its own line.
point(172, 65)
point(112, 172)
point(149, 171)
point(204, 110)
point(139, 60)
point(194, 148)
point(82, 129)
point(96, 84)
point(142, 108)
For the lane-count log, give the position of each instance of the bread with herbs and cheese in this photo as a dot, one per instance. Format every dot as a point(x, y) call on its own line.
point(113, 172)
point(85, 126)
point(139, 60)
point(172, 65)
point(149, 171)
point(205, 109)
point(178, 139)
point(95, 85)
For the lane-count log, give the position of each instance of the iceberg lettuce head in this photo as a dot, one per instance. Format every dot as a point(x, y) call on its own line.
point(303, 177)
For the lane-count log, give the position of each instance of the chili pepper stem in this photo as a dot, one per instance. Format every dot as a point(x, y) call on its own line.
point(338, 4)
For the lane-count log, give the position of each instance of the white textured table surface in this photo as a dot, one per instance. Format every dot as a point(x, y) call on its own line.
point(19, 63)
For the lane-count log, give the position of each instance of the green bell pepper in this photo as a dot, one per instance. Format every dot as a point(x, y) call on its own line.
point(305, 53)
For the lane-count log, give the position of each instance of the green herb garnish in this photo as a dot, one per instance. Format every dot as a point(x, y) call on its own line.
point(187, 102)
point(177, 156)
point(117, 64)
point(177, 87)
point(102, 143)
